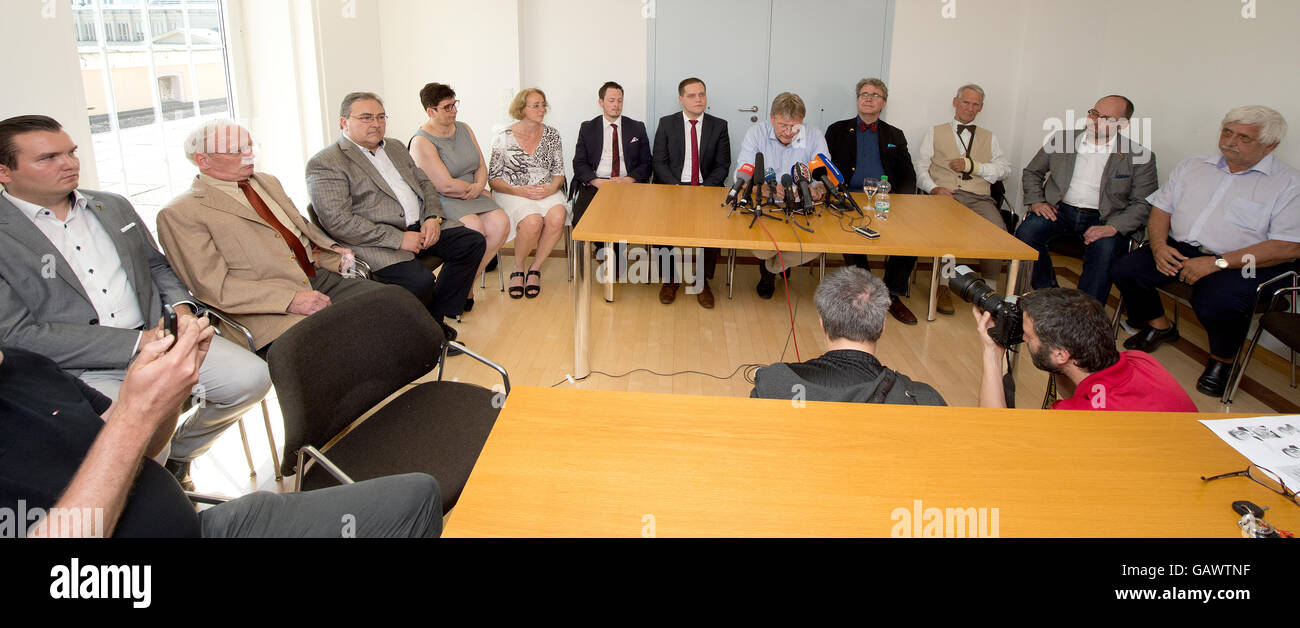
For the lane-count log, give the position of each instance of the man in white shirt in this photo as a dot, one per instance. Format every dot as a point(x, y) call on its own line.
point(1223, 224)
point(1092, 185)
point(962, 160)
point(82, 283)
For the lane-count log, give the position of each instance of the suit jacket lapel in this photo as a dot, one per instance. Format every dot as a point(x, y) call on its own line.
point(353, 153)
point(21, 228)
point(211, 197)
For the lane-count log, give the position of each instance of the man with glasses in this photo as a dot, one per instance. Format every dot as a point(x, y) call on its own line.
point(1092, 184)
point(239, 243)
point(866, 147)
point(784, 141)
point(371, 196)
point(1069, 336)
point(961, 160)
point(1222, 224)
point(83, 284)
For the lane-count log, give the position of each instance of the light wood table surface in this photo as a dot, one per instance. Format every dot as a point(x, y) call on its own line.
point(685, 216)
point(575, 463)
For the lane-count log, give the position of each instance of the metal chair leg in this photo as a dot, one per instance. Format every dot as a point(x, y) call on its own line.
point(568, 248)
point(270, 438)
point(1238, 371)
point(731, 272)
point(248, 453)
point(822, 262)
point(501, 276)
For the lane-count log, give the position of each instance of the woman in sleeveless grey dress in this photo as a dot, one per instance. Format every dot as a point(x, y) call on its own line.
point(448, 153)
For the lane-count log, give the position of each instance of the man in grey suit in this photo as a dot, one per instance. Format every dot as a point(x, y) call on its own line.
point(82, 283)
point(1092, 184)
point(851, 307)
point(370, 196)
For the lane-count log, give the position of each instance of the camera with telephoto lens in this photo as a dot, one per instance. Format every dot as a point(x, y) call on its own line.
point(1007, 327)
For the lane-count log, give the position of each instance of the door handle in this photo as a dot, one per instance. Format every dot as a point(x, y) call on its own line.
point(753, 109)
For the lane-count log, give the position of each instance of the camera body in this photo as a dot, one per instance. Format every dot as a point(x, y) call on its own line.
point(1008, 324)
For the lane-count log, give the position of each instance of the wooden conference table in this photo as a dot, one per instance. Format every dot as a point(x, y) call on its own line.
point(684, 216)
point(691, 466)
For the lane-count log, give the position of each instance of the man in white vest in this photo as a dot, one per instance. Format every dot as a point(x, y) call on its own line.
point(962, 160)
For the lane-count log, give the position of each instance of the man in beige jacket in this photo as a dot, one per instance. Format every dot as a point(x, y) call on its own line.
point(238, 242)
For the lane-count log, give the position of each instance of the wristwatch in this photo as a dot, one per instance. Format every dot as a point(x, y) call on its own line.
point(1220, 263)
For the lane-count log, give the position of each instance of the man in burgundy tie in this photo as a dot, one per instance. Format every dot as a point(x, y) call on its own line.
point(237, 240)
point(611, 148)
point(691, 148)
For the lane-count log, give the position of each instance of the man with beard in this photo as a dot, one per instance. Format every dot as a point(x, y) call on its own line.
point(1067, 334)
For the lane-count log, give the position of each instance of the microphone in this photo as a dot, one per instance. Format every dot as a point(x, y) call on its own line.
point(800, 172)
point(821, 160)
point(790, 193)
point(761, 170)
point(770, 179)
point(744, 177)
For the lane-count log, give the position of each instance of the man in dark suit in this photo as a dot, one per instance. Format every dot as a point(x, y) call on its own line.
point(700, 155)
point(610, 149)
point(865, 147)
point(83, 284)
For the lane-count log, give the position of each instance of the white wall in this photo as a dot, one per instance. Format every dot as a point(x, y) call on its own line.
point(471, 46)
point(1184, 63)
point(570, 47)
point(42, 74)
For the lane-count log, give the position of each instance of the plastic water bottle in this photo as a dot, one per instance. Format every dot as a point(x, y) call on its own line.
point(882, 199)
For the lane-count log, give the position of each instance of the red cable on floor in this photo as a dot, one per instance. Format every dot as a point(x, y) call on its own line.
point(785, 280)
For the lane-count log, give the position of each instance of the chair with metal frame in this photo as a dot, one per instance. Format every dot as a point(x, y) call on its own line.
point(225, 326)
point(1283, 325)
point(332, 372)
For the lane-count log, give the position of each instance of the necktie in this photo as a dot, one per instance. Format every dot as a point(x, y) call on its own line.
point(967, 142)
point(614, 169)
point(292, 240)
point(695, 155)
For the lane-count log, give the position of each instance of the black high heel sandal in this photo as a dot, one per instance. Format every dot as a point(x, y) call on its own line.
point(516, 292)
point(533, 291)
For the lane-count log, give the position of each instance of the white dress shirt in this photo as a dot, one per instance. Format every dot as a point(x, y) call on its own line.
point(89, 251)
point(1224, 211)
point(1089, 162)
point(998, 167)
point(699, 138)
point(606, 167)
point(409, 200)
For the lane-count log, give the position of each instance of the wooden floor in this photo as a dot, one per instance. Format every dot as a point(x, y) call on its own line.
point(533, 339)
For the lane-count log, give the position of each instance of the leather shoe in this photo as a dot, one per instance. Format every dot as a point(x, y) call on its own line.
point(705, 297)
point(668, 293)
point(766, 282)
point(181, 471)
point(449, 334)
point(943, 302)
point(1214, 380)
point(1148, 339)
point(899, 311)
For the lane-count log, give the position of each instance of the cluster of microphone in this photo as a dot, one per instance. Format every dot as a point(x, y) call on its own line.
point(747, 192)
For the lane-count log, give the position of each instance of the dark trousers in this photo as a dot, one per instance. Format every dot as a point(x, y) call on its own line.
point(461, 250)
point(1224, 301)
point(1098, 257)
point(898, 270)
point(671, 257)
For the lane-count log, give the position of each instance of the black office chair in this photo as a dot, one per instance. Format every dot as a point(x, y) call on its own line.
point(1285, 326)
point(339, 363)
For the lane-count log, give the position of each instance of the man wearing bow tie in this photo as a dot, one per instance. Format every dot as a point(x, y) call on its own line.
point(863, 147)
point(962, 160)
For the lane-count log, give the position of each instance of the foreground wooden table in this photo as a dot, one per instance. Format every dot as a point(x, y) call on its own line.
point(571, 463)
point(684, 216)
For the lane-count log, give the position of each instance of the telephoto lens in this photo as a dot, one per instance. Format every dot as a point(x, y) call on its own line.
point(1007, 327)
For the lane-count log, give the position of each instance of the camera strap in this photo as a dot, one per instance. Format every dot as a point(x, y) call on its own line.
point(887, 382)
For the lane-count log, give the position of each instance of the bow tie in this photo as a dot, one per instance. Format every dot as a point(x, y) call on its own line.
point(966, 127)
point(864, 127)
